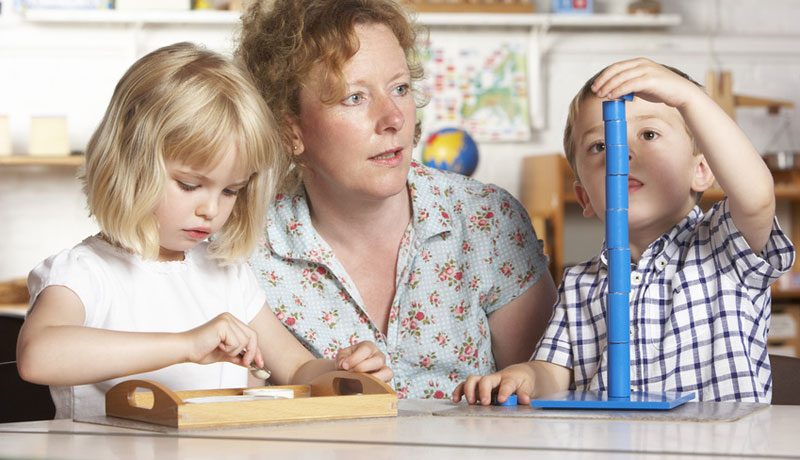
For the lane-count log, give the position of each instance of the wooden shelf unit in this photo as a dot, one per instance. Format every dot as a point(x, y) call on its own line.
point(27, 160)
point(476, 19)
point(546, 189)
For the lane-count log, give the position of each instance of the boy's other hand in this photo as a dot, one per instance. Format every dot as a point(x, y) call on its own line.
point(477, 389)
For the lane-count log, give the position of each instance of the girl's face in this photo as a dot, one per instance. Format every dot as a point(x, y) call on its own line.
point(196, 203)
point(360, 148)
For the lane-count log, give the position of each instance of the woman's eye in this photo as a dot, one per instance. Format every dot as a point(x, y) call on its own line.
point(185, 186)
point(402, 90)
point(597, 147)
point(354, 99)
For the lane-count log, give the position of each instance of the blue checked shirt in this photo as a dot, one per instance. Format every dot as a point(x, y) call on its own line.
point(699, 308)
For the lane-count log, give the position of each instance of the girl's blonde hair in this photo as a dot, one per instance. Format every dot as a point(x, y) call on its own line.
point(283, 40)
point(180, 102)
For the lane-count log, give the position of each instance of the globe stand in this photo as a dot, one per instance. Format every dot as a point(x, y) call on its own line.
point(619, 395)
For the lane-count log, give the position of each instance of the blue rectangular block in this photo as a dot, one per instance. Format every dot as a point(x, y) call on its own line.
point(617, 235)
point(618, 319)
point(616, 132)
point(619, 370)
point(619, 270)
point(583, 399)
point(617, 193)
point(617, 159)
point(613, 110)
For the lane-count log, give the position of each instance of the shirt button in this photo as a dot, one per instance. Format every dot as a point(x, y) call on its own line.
point(636, 278)
point(631, 331)
point(661, 263)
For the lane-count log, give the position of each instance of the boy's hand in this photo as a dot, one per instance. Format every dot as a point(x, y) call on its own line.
point(364, 357)
point(222, 339)
point(518, 379)
point(648, 80)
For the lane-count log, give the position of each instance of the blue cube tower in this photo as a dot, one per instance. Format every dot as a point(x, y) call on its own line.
point(618, 250)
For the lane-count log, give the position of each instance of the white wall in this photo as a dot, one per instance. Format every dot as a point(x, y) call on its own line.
point(72, 69)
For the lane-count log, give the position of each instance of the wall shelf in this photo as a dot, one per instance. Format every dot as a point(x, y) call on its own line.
point(204, 17)
point(210, 17)
point(27, 160)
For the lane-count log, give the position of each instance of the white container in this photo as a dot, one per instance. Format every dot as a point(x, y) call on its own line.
point(5, 136)
point(48, 136)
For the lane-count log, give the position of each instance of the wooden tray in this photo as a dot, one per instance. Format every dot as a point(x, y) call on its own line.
point(323, 399)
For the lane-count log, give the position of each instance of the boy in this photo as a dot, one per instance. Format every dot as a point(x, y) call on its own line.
point(700, 299)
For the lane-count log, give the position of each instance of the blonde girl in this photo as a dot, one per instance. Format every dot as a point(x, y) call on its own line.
point(187, 150)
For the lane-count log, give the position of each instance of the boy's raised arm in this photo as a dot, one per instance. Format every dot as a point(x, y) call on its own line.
point(735, 162)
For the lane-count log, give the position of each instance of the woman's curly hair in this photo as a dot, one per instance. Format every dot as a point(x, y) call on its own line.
point(282, 41)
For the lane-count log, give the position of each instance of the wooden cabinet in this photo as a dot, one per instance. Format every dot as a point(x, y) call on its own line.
point(547, 192)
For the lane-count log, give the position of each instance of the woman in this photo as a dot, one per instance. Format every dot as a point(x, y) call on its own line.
point(444, 273)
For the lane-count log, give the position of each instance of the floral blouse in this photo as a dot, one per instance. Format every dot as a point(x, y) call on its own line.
point(469, 250)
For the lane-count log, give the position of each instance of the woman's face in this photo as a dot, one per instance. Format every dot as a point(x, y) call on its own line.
point(360, 147)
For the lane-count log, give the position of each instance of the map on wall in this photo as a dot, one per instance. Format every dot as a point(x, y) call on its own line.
point(481, 87)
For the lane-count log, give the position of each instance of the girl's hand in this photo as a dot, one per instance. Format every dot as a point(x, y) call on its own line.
point(364, 357)
point(648, 80)
point(223, 339)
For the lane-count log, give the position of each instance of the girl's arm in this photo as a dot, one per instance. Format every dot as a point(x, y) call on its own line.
point(54, 348)
point(291, 363)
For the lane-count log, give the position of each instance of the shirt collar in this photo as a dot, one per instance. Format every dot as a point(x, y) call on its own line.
point(291, 234)
point(431, 202)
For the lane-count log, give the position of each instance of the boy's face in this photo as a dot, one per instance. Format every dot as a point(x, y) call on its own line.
point(664, 172)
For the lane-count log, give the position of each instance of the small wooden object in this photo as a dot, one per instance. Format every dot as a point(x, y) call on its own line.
point(323, 399)
point(719, 85)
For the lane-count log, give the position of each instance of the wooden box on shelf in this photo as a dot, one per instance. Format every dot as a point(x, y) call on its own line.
point(472, 6)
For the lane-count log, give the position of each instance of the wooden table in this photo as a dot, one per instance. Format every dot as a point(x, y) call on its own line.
point(772, 432)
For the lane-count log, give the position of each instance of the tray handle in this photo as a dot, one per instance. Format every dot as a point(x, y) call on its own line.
point(121, 402)
point(338, 383)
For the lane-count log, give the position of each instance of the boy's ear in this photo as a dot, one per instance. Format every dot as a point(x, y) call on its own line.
point(583, 199)
point(703, 176)
point(297, 137)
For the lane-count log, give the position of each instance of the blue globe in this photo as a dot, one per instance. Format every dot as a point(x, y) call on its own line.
point(451, 149)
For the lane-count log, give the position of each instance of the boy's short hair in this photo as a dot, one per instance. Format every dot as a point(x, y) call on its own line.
point(283, 40)
point(575, 106)
point(180, 102)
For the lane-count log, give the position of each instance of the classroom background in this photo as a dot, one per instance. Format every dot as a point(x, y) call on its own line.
point(507, 78)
